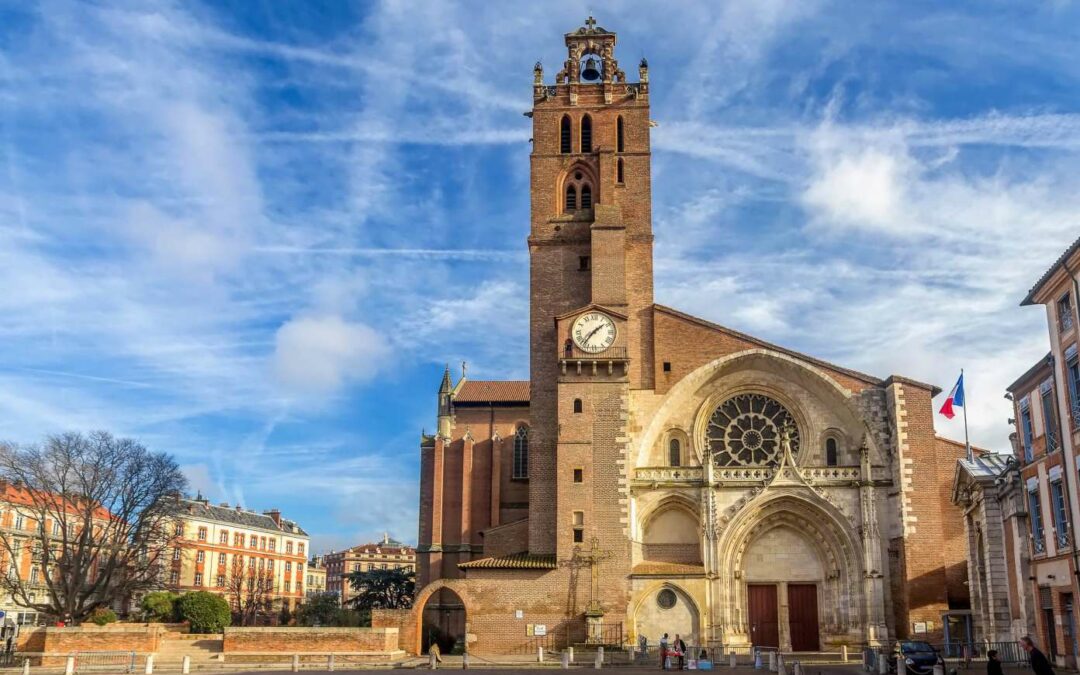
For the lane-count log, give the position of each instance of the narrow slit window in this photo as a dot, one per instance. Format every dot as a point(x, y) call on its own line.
point(521, 453)
point(675, 452)
point(586, 197)
point(577, 405)
point(830, 452)
point(571, 198)
point(618, 171)
point(619, 137)
point(566, 135)
point(584, 263)
point(586, 134)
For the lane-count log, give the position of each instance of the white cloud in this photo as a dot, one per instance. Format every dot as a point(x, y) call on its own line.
point(863, 189)
point(320, 354)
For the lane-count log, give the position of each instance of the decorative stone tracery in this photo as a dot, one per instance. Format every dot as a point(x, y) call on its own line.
point(746, 429)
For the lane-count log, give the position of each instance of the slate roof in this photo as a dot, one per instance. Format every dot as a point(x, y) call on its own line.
point(515, 561)
point(1030, 298)
point(493, 391)
point(986, 465)
point(243, 518)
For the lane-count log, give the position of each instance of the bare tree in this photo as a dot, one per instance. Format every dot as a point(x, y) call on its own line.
point(95, 514)
point(250, 590)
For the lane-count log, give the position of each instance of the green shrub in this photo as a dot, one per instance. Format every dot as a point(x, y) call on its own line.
point(159, 606)
point(207, 613)
point(102, 616)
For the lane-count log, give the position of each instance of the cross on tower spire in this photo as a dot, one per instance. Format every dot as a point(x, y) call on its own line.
point(590, 23)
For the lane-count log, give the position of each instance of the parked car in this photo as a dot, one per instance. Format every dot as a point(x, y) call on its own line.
point(920, 657)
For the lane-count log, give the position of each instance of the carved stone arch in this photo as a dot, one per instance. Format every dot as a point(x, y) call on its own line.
point(679, 501)
point(685, 393)
point(822, 526)
point(670, 531)
point(459, 587)
point(641, 606)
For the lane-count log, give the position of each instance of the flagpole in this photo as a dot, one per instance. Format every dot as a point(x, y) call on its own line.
point(967, 441)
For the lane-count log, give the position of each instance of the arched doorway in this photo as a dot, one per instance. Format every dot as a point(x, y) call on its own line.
point(443, 622)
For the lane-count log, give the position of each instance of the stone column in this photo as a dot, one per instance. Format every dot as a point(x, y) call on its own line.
point(496, 478)
point(873, 576)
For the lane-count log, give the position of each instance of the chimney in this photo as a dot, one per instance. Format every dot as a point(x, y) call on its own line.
point(275, 515)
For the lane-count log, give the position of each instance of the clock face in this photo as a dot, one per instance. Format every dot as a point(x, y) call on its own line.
point(593, 332)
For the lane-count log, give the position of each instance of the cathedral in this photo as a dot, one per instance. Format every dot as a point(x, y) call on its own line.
point(659, 472)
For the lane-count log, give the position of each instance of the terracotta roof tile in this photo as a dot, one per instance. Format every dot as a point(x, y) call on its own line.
point(665, 568)
point(493, 391)
point(515, 561)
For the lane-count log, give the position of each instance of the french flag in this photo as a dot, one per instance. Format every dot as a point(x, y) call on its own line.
point(956, 398)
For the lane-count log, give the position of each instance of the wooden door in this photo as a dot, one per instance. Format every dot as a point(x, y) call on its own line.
point(764, 623)
point(803, 617)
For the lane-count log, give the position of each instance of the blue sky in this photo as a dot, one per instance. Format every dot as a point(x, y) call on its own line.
point(252, 233)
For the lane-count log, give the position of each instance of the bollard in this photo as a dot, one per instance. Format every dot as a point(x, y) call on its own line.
point(571, 650)
point(433, 664)
point(185, 664)
point(149, 664)
point(882, 662)
point(539, 654)
point(780, 670)
point(772, 661)
point(757, 659)
point(330, 663)
point(69, 666)
point(296, 663)
point(565, 660)
point(26, 667)
point(731, 659)
point(901, 664)
point(939, 669)
point(465, 661)
point(843, 653)
point(796, 668)
point(599, 662)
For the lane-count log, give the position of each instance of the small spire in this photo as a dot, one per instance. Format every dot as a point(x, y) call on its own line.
point(447, 384)
point(463, 367)
point(590, 23)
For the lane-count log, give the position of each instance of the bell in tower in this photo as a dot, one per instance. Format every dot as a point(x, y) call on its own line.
point(591, 72)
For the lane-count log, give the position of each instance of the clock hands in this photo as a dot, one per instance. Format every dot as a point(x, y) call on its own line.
point(592, 333)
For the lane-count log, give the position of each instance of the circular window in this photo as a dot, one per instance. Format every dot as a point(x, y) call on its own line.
point(577, 175)
point(746, 430)
point(666, 598)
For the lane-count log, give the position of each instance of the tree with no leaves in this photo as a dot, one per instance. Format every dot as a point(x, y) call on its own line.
point(95, 516)
point(250, 590)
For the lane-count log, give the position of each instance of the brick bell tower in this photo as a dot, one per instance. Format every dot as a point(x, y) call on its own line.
point(590, 249)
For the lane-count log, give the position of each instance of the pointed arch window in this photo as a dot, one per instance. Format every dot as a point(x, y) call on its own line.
point(586, 134)
point(565, 135)
point(619, 171)
point(619, 138)
point(830, 452)
point(521, 453)
point(571, 198)
point(586, 196)
point(675, 452)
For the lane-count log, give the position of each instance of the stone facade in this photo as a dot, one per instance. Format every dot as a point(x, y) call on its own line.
point(678, 476)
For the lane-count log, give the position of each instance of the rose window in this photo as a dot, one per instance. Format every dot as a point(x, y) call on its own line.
point(746, 430)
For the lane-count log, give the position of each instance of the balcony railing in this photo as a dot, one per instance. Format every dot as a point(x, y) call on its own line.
point(1052, 442)
point(1065, 318)
point(669, 474)
point(1063, 538)
point(1038, 544)
point(1076, 413)
point(575, 353)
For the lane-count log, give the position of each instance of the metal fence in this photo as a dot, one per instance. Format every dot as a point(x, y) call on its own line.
point(117, 662)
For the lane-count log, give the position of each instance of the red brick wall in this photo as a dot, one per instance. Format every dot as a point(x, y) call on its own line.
point(402, 619)
point(294, 640)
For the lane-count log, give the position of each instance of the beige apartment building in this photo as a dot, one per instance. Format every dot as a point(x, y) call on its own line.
point(387, 554)
point(316, 577)
point(1047, 438)
point(222, 548)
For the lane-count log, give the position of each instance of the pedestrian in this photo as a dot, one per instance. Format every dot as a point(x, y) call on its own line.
point(993, 664)
point(680, 651)
point(664, 652)
point(435, 653)
point(1039, 663)
point(643, 644)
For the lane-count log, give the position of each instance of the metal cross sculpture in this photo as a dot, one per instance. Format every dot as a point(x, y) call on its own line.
point(590, 23)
